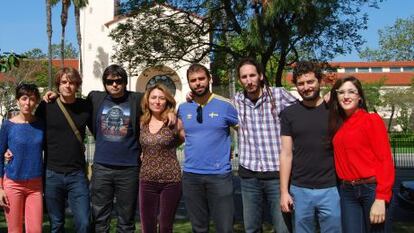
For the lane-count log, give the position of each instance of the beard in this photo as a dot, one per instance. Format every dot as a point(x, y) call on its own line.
point(311, 97)
point(200, 94)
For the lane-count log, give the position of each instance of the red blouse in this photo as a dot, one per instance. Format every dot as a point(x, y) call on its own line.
point(362, 150)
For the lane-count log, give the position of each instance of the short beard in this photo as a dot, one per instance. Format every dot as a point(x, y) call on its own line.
point(201, 94)
point(313, 97)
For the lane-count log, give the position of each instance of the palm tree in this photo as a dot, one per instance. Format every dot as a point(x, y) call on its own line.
point(78, 4)
point(63, 21)
point(49, 41)
point(49, 4)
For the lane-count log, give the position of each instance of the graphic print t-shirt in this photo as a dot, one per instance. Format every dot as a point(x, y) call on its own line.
point(115, 142)
point(114, 121)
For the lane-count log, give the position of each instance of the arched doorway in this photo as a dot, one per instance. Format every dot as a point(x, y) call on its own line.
point(159, 74)
point(163, 79)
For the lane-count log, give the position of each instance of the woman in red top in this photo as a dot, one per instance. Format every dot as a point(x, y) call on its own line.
point(363, 159)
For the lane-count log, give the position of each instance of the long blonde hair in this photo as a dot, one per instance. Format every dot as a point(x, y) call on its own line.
point(170, 106)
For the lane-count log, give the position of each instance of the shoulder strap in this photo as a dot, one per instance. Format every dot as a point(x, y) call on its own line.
point(70, 121)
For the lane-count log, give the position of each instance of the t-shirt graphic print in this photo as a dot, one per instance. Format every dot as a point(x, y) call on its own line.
point(115, 119)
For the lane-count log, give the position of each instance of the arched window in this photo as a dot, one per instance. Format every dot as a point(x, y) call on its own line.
point(163, 79)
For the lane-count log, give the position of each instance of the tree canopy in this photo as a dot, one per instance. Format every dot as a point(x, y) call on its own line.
point(396, 43)
point(276, 32)
point(70, 52)
point(401, 101)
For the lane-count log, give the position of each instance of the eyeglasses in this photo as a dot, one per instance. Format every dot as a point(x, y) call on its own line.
point(112, 81)
point(199, 114)
point(350, 92)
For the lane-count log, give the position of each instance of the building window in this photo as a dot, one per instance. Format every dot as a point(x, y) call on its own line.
point(376, 69)
point(165, 80)
point(363, 69)
point(395, 69)
point(408, 69)
point(349, 69)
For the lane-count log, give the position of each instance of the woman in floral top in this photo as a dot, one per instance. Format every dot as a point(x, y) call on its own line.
point(160, 176)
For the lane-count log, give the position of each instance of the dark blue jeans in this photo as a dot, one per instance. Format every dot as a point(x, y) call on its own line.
point(356, 202)
point(119, 183)
point(74, 187)
point(209, 195)
point(254, 194)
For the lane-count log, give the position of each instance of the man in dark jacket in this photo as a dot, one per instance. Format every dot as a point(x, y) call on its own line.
point(115, 125)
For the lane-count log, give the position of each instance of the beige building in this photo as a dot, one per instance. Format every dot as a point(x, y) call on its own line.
point(97, 19)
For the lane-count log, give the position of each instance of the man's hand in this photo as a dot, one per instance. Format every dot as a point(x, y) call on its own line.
point(189, 97)
point(286, 202)
point(327, 97)
point(171, 119)
point(8, 155)
point(377, 213)
point(50, 96)
point(4, 201)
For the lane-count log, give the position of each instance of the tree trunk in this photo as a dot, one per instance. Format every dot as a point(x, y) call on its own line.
point(391, 118)
point(49, 41)
point(280, 67)
point(79, 38)
point(62, 48)
point(63, 21)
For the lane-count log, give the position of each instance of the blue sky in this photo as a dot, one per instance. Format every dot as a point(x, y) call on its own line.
point(23, 24)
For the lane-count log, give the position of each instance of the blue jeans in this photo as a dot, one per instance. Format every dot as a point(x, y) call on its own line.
point(254, 193)
point(209, 194)
point(119, 183)
point(356, 202)
point(74, 187)
point(316, 204)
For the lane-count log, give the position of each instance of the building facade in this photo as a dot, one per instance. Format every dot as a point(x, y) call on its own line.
point(98, 19)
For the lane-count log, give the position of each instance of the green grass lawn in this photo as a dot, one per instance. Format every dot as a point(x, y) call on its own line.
point(184, 226)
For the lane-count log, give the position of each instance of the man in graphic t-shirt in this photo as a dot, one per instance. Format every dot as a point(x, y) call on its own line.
point(115, 125)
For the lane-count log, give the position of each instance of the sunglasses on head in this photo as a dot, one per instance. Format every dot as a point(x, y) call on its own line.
point(112, 81)
point(199, 114)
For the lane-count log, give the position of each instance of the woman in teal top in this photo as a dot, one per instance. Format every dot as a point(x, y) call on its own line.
point(21, 178)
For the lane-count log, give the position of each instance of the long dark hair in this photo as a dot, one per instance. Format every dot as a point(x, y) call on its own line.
point(264, 83)
point(336, 113)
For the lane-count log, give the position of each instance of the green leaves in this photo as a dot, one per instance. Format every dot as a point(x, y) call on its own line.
point(8, 61)
point(273, 31)
point(396, 43)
